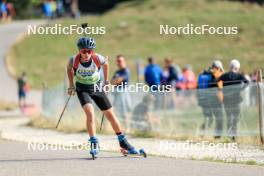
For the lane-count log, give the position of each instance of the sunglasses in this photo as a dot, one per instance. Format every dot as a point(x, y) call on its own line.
point(84, 51)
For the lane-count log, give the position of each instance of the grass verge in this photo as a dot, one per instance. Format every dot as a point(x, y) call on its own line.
point(7, 106)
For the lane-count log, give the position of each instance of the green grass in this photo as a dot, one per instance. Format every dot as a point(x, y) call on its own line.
point(233, 161)
point(50, 123)
point(44, 57)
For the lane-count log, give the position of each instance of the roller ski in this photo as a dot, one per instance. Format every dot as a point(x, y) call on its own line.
point(94, 147)
point(127, 149)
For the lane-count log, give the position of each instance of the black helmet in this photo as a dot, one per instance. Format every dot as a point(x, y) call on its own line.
point(86, 43)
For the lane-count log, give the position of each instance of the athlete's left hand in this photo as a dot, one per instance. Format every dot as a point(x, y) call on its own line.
point(106, 86)
point(71, 91)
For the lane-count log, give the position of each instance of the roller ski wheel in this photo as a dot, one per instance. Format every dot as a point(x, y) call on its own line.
point(124, 152)
point(93, 154)
point(133, 152)
point(143, 153)
point(94, 146)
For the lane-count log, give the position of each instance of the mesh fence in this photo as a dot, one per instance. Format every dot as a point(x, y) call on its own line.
point(204, 112)
point(262, 108)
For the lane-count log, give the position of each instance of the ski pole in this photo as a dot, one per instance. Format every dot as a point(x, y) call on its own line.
point(63, 110)
point(102, 121)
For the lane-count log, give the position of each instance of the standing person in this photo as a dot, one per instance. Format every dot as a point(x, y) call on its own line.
point(189, 79)
point(75, 9)
point(22, 86)
point(209, 99)
point(53, 5)
point(83, 73)
point(10, 11)
point(153, 77)
point(122, 100)
point(60, 8)
point(47, 8)
point(180, 78)
point(3, 10)
point(153, 74)
point(232, 95)
point(169, 77)
point(67, 5)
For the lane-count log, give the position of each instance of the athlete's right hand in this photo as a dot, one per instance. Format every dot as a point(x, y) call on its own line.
point(71, 90)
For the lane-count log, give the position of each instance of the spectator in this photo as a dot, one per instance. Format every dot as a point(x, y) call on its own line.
point(232, 97)
point(142, 119)
point(3, 10)
point(71, 8)
point(189, 80)
point(209, 100)
point(67, 5)
point(74, 9)
point(47, 9)
point(10, 11)
point(122, 75)
point(153, 73)
point(254, 76)
point(180, 78)
point(53, 5)
point(122, 101)
point(22, 89)
point(170, 76)
point(153, 77)
point(60, 8)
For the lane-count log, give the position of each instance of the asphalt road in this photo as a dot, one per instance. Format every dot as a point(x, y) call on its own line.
point(16, 159)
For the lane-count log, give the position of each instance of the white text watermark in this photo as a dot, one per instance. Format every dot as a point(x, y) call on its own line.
point(191, 145)
point(191, 29)
point(59, 29)
point(132, 88)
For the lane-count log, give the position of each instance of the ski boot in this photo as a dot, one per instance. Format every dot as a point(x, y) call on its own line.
point(94, 147)
point(128, 149)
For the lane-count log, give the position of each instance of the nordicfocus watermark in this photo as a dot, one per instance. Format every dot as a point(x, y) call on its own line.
point(161, 146)
point(191, 145)
point(132, 88)
point(191, 29)
point(59, 29)
point(60, 145)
